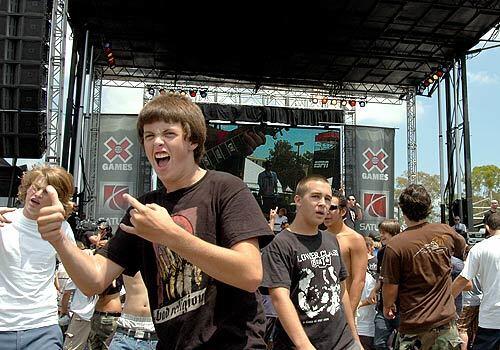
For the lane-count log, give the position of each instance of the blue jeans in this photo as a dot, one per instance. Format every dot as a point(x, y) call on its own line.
point(487, 339)
point(124, 342)
point(49, 337)
point(383, 330)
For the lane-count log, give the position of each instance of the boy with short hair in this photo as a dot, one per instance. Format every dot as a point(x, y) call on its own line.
point(304, 272)
point(196, 242)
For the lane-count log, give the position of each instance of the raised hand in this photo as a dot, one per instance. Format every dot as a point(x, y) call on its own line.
point(51, 218)
point(273, 213)
point(253, 139)
point(149, 221)
point(3, 219)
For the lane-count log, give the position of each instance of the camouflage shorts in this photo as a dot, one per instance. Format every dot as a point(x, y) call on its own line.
point(102, 329)
point(440, 338)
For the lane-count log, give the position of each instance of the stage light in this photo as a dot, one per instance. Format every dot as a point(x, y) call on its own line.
point(430, 80)
point(439, 73)
point(314, 100)
point(192, 93)
point(151, 91)
point(203, 93)
point(362, 103)
point(333, 102)
point(352, 103)
point(324, 100)
point(426, 83)
point(435, 76)
point(183, 92)
point(343, 103)
point(172, 91)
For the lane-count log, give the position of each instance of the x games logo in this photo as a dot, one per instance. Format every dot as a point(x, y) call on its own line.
point(118, 149)
point(375, 160)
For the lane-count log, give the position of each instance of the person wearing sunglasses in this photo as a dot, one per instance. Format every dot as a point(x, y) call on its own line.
point(352, 247)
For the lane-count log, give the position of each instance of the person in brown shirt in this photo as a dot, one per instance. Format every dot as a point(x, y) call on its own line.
point(417, 271)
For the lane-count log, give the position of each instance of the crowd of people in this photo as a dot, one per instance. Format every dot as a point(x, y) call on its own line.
point(192, 262)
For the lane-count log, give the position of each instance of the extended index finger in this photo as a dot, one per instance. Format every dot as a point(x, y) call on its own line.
point(134, 202)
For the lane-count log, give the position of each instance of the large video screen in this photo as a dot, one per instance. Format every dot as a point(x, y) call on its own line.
point(292, 153)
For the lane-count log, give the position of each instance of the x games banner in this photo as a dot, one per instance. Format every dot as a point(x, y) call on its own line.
point(375, 180)
point(118, 165)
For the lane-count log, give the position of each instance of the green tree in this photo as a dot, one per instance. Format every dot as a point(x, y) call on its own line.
point(289, 166)
point(485, 180)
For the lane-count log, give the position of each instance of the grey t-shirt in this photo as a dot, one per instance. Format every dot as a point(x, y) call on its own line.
point(312, 269)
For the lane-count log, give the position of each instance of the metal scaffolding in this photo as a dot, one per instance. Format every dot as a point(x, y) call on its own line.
point(411, 124)
point(271, 96)
point(55, 83)
point(349, 161)
point(90, 208)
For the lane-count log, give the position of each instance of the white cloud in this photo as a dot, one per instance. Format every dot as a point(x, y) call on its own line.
point(121, 100)
point(483, 77)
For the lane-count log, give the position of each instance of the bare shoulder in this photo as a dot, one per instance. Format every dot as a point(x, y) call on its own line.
point(348, 234)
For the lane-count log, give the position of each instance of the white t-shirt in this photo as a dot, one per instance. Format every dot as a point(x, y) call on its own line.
point(28, 297)
point(278, 220)
point(81, 304)
point(365, 319)
point(484, 260)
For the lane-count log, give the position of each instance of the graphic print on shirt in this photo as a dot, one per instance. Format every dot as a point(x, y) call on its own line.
point(181, 285)
point(319, 286)
point(437, 245)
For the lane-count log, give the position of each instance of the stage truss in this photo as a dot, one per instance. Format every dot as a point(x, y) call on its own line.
point(234, 92)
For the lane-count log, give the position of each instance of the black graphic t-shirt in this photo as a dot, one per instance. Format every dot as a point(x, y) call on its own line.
point(190, 309)
point(312, 269)
point(372, 267)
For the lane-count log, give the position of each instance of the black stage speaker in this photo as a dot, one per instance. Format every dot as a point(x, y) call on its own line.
point(10, 179)
point(24, 36)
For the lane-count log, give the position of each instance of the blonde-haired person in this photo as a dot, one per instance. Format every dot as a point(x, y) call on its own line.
point(28, 307)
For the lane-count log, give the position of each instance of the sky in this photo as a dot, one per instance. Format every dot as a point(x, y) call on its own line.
point(484, 94)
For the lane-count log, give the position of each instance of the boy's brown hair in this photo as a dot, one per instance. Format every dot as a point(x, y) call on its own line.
point(390, 226)
point(415, 202)
point(301, 188)
point(175, 108)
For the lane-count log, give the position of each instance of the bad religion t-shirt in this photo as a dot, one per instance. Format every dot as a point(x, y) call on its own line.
point(312, 269)
point(190, 309)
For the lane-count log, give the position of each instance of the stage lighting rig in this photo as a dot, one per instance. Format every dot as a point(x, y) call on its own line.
point(203, 93)
point(192, 93)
